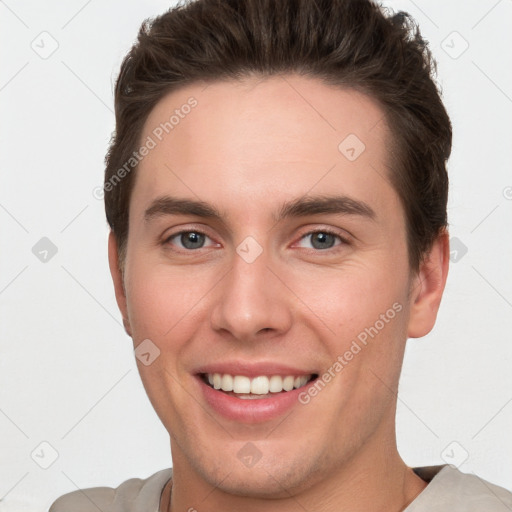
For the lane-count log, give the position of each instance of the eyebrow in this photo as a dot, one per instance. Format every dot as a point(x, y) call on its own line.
point(300, 207)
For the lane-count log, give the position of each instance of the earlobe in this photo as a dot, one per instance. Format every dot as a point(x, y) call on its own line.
point(117, 278)
point(428, 286)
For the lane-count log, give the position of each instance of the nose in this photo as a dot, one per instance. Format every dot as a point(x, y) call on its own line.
point(252, 301)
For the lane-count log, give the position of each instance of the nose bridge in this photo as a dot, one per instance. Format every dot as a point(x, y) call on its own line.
point(249, 299)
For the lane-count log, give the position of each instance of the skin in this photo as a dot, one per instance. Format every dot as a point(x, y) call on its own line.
point(246, 148)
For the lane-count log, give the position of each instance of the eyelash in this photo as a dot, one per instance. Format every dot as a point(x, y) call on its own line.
point(326, 231)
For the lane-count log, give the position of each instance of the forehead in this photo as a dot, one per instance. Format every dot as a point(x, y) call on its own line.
point(250, 142)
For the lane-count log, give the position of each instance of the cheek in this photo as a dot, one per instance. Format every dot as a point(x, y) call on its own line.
point(362, 313)
point(160, 299)
point(349, 298)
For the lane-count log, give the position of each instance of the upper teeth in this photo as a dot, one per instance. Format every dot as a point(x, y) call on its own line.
point(259, 385)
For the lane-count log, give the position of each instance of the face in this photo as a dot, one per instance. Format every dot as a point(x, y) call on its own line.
point(267, 256)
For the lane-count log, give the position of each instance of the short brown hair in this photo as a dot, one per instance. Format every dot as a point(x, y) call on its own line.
point(348, 43)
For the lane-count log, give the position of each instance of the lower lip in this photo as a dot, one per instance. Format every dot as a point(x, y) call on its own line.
point(251, 410)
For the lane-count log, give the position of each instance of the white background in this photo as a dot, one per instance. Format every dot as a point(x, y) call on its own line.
point(67, 371)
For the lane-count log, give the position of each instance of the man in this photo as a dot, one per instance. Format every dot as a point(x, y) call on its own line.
point(276, 191)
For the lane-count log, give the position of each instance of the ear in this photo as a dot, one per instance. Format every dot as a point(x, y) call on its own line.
point(117, 278)
point(428, 286)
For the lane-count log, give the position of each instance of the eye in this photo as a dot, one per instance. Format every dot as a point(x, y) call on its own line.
point(323, 239)
point(188, 240)
point(319, 240)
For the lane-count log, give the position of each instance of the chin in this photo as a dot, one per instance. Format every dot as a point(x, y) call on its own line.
point(279, 473)
point(265, 482)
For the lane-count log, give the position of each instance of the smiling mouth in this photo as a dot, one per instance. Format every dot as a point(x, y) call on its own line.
point(263, 386)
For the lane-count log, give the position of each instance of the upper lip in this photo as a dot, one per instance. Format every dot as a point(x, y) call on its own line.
point(253, 369)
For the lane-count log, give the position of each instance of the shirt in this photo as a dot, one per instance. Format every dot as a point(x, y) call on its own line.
point(448, 490)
